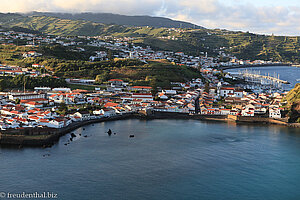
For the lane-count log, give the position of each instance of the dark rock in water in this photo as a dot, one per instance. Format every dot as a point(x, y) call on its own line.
point(83, 129)
point(66, 144)
point(109, 132)
point(73, 135)
point(115, 133)
point(92, 124)
point(79, 134)
point(85, 136)
point(131, 136)
point(71, 139)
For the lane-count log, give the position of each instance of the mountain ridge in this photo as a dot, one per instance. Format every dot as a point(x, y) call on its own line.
point(243, 45)
point(117, 19)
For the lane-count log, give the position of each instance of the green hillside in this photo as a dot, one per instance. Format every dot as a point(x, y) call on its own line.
point(293, 104)
point(191, 41)
point(109, 18)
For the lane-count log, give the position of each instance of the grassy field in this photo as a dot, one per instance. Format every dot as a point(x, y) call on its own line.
point(81, 87)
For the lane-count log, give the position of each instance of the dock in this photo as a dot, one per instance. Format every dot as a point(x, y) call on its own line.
point(267, 77)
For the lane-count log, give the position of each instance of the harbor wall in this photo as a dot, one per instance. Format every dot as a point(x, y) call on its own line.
point(46, 137)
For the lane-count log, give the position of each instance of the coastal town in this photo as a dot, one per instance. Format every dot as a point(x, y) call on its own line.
point(209, 95)
point(150, 100)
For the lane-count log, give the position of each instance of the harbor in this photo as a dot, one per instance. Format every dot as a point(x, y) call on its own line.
point(199, 156)
point(260, 79)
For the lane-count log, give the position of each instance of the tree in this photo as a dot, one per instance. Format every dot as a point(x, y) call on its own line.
point(17, 101)
point(102, 77)
point(206, 87)
point(109, 55)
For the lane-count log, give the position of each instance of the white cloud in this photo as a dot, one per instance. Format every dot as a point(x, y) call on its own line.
point(236, 15)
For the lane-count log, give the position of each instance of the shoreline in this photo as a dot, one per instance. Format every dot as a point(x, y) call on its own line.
point(257, 65)
point(47, 137)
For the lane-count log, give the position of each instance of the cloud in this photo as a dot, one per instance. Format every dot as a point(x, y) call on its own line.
point(280, 19)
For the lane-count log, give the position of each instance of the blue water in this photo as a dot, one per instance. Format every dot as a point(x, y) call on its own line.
point(167, 159)
point(290, 74)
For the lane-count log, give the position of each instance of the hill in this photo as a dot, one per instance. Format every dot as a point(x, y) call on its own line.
point(109, 18)
point(293, 104)
point(196, 42)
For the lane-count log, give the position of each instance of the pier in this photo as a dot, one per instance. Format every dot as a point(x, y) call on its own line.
point(258, 82)
point(258, 76)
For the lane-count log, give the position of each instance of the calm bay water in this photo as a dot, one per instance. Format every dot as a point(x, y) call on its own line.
point(167, 159)
point(287, 73)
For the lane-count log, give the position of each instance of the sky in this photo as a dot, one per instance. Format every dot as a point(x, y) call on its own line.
point(279, 17)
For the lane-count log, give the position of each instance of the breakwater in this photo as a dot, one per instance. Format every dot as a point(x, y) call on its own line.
point(250, 66)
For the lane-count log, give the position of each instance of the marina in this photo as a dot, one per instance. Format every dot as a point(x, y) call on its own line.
point(268, 79)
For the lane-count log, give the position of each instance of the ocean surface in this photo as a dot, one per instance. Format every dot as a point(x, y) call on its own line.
point(167, 159)
point(287, 73)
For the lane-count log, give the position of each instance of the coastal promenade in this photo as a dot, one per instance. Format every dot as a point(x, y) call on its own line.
point(46, 137)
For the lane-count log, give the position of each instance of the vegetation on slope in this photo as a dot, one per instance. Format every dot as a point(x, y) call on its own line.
point(191, 41)
point(293, 104)
point(17, 82)
point(108, 18)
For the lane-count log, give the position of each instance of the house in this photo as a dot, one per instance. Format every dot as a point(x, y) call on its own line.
point(57, 123)
point(61, 89)
point(27, 96)
point(37, 65)
point(248, 110)
point(106, 112)
point(142, 88)
point(116, 82)
point(274, 113)
point(231, 92)
point(169, 92)
point(33, 104)
point(142, 96)
point(83, 115)
point(110, 105)
point(224, 111)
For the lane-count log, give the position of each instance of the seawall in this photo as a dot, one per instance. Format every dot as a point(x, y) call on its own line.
point(46, 137)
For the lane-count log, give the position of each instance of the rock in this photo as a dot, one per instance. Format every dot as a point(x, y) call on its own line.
point(109, 132)
point(85, 136)
point(73, 135)
point(71, 139)
point(131, 136)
